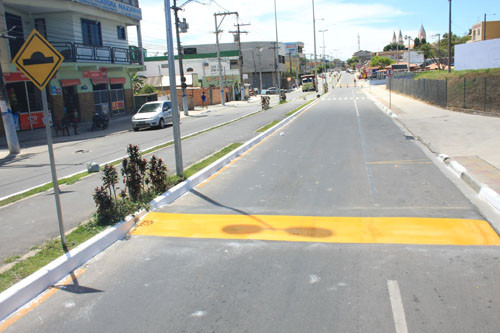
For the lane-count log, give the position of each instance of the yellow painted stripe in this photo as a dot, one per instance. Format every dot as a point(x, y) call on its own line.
point(398, 230)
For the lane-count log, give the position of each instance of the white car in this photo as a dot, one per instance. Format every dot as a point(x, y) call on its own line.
point(153, 114)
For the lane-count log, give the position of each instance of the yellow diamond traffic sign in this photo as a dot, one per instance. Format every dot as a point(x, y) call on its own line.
point(38, 59)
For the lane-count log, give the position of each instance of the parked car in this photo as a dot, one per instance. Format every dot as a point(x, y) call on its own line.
point(153, 114)
point(271, 91)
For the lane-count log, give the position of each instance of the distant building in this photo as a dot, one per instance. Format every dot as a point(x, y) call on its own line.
point(295, 58)
point(363, 56)
point(401, 56)
point(478, 33)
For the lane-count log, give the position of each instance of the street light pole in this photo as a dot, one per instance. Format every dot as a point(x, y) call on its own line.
point(409, 63)
point(315, 59)
point(324, 47)
point(173, 92)
point(449, 39)
point(277, 52)
point(179, 55)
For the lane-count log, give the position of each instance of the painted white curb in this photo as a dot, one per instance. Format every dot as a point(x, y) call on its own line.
point(490, 196)
point(382, 106)
point(29, 288)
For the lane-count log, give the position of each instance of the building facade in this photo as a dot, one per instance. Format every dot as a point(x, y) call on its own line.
point(478, 31)
point(98, 66)
point(259, 60)
point(295, 58)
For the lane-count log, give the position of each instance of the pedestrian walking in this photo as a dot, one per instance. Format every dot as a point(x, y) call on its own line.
point(203, 100)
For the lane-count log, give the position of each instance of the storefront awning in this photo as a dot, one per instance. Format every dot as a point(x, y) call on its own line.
point(117, 80)
point(71, 82)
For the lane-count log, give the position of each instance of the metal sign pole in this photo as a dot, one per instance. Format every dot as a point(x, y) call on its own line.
point(53, 169)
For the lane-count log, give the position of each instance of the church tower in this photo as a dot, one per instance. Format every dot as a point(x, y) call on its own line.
point(400, 37)
point(393, 37)
point(421, 33)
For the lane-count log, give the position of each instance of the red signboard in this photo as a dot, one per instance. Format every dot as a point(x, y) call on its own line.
point(15, 76)
point(100, 80)
point(117, 80)
point(92, 74)
point(118, 105)
point(36, 120)
point(72, 82)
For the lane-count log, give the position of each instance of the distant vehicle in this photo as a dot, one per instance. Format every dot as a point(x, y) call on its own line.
point(153, 114)
point(271, 91)
point(308, 83)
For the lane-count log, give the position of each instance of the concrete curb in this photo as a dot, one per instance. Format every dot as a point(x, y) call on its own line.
point(382, 106)
point(484, 191)
point(24, 291)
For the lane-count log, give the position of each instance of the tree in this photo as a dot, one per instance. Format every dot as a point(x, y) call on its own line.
point(416, 43)
point(393, 47)
point(378, 61)
point(351, 62)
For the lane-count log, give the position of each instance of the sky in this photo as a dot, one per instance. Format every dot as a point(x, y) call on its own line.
point(374, 21)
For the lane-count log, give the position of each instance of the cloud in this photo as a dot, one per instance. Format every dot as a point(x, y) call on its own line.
point(343, 20)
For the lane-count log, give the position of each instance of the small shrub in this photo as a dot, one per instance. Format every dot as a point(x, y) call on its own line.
point(133, 171)
point(157, 172)
point(110, 179)
point(105, 206)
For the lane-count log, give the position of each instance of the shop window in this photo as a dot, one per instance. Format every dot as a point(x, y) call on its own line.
point(15, 27)
point(233, 64)
point(41, 27)
point(121, 33)
point(91, 32)
point(190, 50)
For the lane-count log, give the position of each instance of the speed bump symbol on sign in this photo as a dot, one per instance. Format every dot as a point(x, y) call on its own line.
point(38, 59)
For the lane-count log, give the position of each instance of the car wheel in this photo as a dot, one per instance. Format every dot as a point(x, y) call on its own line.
point(161, 124)
point(135, 129)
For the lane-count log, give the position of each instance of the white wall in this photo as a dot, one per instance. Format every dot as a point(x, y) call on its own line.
point(196, 64)
point(478, 55)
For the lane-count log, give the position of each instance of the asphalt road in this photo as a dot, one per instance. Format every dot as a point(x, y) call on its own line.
point(341, 159)
point(33, 221)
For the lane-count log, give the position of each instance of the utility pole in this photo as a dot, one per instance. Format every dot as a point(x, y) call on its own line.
point(277, 52)
point(439, 50)
point(449, 39)
point(179, 55)
point(5, 108)
point(484, 28)
point(173, 92)
point(260, 69)
point(217, 31)
point(240, 58)
point(315, 59)
point(409, 63)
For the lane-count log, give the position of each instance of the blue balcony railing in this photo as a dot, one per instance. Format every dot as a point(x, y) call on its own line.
point(76, 52)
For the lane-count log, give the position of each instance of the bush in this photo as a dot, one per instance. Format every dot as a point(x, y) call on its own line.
point(147, 89)
point(143, 181)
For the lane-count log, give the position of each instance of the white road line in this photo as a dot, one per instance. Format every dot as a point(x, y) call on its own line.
point(397, 307)
point(356, 106)
point(345, 99)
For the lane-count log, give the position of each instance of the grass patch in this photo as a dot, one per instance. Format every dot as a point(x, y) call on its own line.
point(299, 108)
point(11, 259)
point(48, 252)
point(209, 160)
point(442, 75)
point(43, 188)
point(268, 126)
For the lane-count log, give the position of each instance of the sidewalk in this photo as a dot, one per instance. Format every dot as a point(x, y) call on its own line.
point(470, 139)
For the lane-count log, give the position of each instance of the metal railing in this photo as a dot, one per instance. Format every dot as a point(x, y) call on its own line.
point(467, 93)
point(76, 52)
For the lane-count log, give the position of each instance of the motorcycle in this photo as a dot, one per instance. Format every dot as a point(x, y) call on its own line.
point(264, 101)
point(100, 120)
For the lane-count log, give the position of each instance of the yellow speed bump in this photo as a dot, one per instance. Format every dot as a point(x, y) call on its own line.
point(387, 230)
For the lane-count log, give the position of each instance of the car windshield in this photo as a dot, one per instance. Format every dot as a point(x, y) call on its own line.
point(153, 107)
point(307, 79)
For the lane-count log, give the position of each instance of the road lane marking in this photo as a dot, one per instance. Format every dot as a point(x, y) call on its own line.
point(367, 230)
point(39, 300)
point(400, 162)
point(398, 310)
